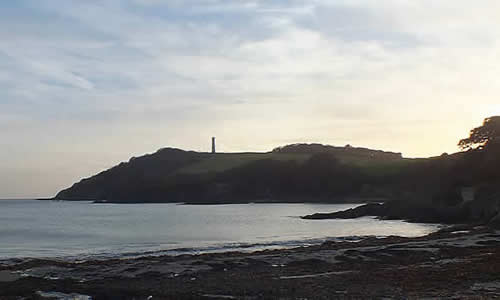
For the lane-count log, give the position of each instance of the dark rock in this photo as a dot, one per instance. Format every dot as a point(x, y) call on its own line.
point(371, 209)
point(495, 222)
point(486, 202)
point(400, 210)
point(449, 196)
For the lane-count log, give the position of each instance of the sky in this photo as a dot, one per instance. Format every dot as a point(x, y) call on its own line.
point(87, 84)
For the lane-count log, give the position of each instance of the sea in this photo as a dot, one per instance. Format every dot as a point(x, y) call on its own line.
point(84, 230)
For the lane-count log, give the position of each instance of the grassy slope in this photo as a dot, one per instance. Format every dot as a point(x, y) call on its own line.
point(224, 161)
point(383, 167)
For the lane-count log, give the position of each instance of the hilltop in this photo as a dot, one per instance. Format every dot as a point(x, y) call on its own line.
point(175, 175)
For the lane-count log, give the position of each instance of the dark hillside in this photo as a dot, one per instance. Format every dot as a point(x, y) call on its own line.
point(140, 175)
point(315, 173)
point(305, 173)
point(460, 188)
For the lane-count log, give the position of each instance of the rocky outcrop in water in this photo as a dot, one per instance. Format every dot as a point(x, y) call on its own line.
point(371, 209)
point(482, 209)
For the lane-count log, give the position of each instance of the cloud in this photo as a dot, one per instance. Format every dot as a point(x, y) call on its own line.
point(86, 84)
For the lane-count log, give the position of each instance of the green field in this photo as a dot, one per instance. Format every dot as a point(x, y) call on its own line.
point(384, 168)
point(220, 162)
point(225, 161)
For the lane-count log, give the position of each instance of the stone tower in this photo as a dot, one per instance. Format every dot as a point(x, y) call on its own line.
point(213, 144)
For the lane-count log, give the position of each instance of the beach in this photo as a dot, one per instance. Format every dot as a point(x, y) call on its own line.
point(461, 262)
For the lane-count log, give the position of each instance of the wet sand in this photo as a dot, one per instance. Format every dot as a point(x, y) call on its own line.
point(463, 263)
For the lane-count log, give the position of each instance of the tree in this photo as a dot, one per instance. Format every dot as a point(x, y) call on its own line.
point(484, 135)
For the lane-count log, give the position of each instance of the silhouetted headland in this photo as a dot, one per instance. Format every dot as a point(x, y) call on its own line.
point(461, 187)
point(294, 173)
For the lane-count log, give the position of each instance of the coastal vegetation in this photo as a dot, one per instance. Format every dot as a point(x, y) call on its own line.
point(459, 188)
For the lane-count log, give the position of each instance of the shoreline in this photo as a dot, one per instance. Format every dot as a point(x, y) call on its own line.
point(301, 200)
point(221, 248)
point(455, 262)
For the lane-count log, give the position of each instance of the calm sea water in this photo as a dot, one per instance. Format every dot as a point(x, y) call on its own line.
point(30, 228)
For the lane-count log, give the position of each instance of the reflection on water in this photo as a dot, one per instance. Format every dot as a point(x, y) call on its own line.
point(30, 228)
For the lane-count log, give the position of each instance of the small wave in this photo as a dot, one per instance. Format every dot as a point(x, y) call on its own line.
point(122, 253)
point(216, 248)
point(63, 296)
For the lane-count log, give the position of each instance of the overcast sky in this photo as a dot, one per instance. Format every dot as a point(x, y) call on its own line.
point(86, 84)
